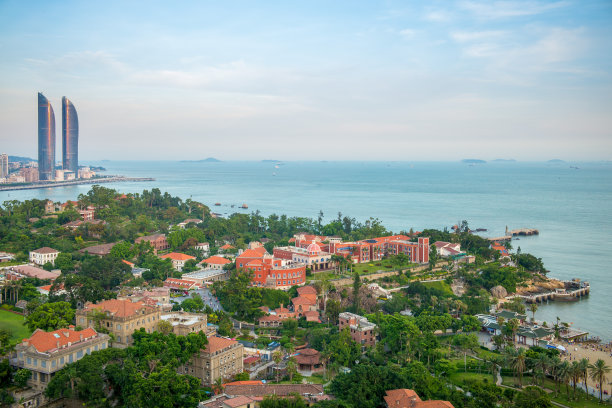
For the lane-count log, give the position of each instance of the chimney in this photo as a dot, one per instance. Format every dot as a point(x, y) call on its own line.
point(57, 344)
point(81, 336)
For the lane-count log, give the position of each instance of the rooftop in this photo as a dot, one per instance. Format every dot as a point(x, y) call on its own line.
point(119, 308)
point(44, 342)
point(177, 256)
point(216, 344)
point(45, 250)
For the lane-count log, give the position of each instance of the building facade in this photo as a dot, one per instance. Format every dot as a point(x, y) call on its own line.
point(121, 317)
point(46, 139)
point(362, 330)
point(157, 241)
point(222, 358)
point(4, 167)
point(43, 255)
point(70, 136)
point(45, 353)
point(184, 323)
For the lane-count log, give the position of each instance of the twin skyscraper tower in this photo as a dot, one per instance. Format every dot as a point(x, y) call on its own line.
point(46, 138)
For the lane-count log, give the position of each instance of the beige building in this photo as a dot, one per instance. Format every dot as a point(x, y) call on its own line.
point(123, 317)
point(184, 323)
point(221, 358)
point(43, 255)
point(45, 353)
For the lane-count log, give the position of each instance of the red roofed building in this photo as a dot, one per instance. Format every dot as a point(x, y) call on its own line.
point(180, 284)
point(216, 262)
point(303, 304)
point(222, 358)
point(43, 255)
point(178, 259)
point(122, 318)
point(405, 398)
point(45, 353)
point(270, 272)
point(227, 247)
point(375, 249)
point(157, 241)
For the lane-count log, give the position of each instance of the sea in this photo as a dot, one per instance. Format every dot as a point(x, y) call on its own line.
point(569, 203)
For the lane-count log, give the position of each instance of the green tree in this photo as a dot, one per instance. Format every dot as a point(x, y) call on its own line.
point(517, 360)
point(274, 401)
point(5, 339)
point(50, 316)
point(21, 378)
point(599, 372)
point(356, 287)
point(532, 397)
point(122, 250)
point(64, 262)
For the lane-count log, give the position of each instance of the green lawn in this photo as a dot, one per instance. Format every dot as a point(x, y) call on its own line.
point(14, 323)
point(461, 378)
point(440, 285)
point(583, 399)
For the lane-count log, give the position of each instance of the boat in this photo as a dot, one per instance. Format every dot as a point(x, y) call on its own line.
point(217, 204)
point(244, 206)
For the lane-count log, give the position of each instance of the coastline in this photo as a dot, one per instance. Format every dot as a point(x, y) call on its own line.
point(109, 179)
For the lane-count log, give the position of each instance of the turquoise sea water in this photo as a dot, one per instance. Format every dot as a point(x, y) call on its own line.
point(571, 207)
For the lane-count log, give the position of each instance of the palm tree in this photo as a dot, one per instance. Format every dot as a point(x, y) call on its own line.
point(563, 375)
point(218, 386)
point(555, 363)
point(575, 374)
point(584, 373)
point(598, 374)
point(277, 357)
point(513, 326)
point(540, 365)
point(498, 341)
point(516, 359)
point(533, 308)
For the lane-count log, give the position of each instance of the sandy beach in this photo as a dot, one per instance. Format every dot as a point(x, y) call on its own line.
point(575, 352)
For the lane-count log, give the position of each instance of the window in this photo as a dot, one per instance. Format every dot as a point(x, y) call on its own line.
point(29, 360)
point(35, 362)
point(43, 363)
point(62, 360)
point(79, 354)
point(53, 363)
point(118, 326)
point(70, 358)
point(82, 320)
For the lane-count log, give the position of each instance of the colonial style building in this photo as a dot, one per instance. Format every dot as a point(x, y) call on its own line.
point(269, 271)
point(312, 256)
point(184, 323)
point(405, 398)
point(121, 317)
point(45, 353)
point(216, 262)
point(178, 259)
point(222, 358)
point(43, 255)
point(362, 331)
point(157, 241)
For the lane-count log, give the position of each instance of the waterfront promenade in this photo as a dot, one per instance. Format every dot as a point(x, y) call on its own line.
point(99, 180)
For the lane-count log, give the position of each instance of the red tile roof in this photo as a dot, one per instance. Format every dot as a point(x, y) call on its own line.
point(238, 401)
point(304, 290)
point(47, 341)
point(128, 263)
point(179, 283)
point(216, 260)
point(45, 250)
point(252, 382)
point(303, 300)
point(218, 343)
point(119, 308)
point(177, 256)
point(254, 253)
point(227, 246)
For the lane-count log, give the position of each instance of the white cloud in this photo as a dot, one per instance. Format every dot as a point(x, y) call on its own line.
point(437, 16)
point(468, 36)
point(407, 33)
point(504, 9)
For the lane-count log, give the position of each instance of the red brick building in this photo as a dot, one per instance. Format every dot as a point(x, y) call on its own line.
point(375, 249)
point(362, 331)
point(270, 272)
point(157, 241)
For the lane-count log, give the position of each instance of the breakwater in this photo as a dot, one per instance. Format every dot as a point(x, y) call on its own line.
point(572, 291)
point(52, 184)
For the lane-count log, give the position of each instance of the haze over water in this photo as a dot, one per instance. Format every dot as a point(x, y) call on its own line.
point(570, 207)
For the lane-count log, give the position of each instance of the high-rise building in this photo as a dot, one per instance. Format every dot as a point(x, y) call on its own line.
point(46, 139)
point(4, 170)
point(70, 136)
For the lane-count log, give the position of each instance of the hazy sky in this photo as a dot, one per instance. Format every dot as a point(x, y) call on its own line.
point(312, 80)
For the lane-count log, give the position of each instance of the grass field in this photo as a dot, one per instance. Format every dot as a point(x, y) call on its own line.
point(440, 285)
point(14, 323)
point(461, 378)
point(583, 399)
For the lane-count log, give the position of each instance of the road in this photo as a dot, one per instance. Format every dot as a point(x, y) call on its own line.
point(207, 297)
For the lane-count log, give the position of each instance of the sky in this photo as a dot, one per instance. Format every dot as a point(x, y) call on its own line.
point(312, 80)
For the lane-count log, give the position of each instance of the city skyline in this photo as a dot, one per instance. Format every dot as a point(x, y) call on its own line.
point(348, 81)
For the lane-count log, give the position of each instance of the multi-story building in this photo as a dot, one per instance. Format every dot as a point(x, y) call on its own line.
point(269, 271)
point(184, 323)
point(312, 256)
point(43, 255)
point(203, 247)
point(4, 167)
point(70, 137)
point(375, 249)
point(157, 241)
point(222, 358)
point(122, 318)
point(216, 262)
point(46, 139)
point(178, 259)
point(45, 353)
point(30, 174)
point(362, 331)
point(405, 398)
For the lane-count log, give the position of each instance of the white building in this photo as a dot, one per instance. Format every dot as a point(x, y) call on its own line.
point(43, 255)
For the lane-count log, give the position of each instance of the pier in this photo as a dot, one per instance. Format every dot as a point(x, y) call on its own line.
point(515, 233)
point(109, 179)
point(573, 291)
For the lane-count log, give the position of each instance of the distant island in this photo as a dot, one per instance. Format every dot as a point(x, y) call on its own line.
point(20, 159)
point(207, 160)
point(473, 161)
